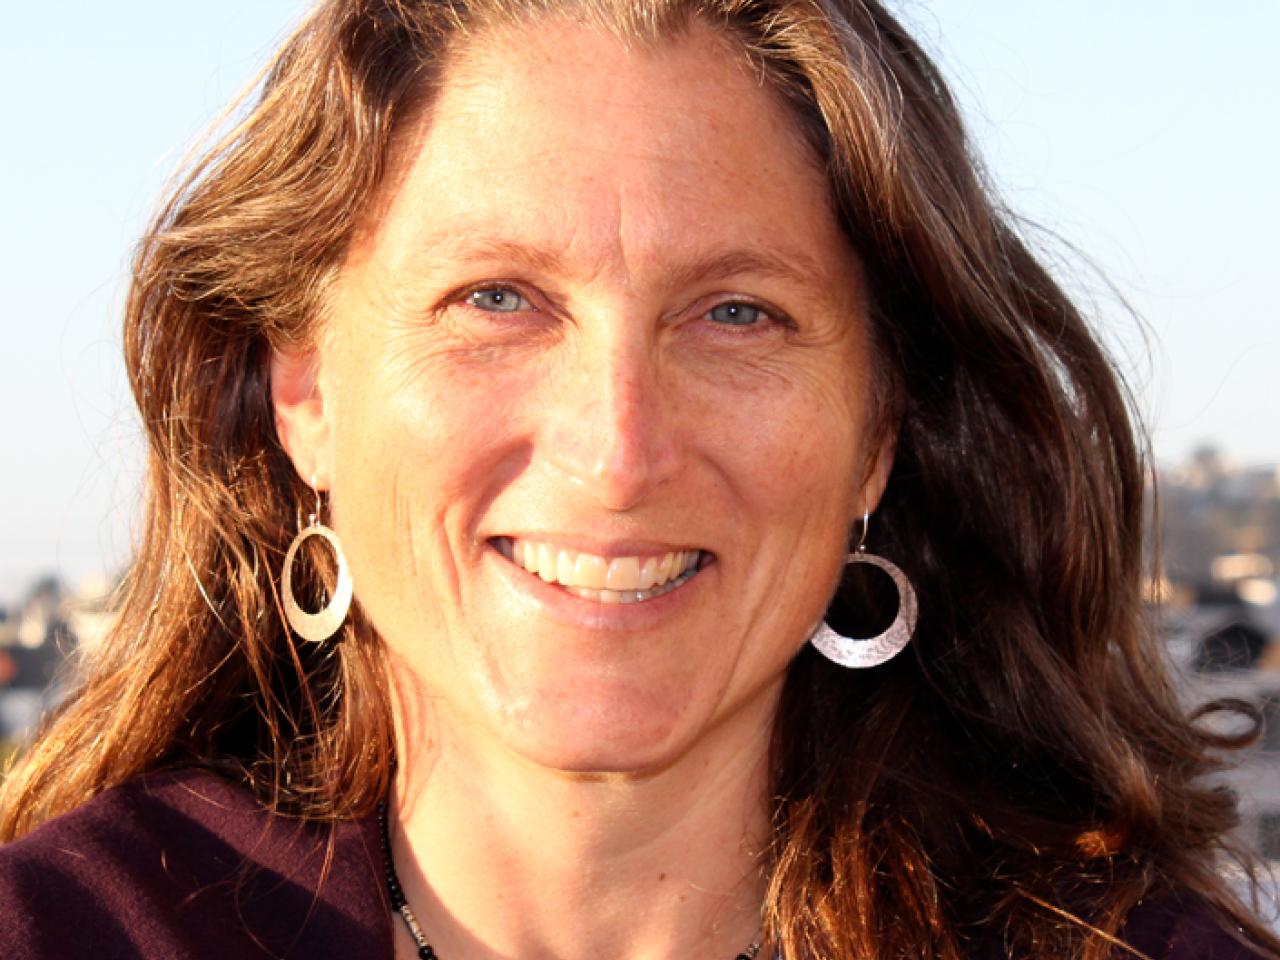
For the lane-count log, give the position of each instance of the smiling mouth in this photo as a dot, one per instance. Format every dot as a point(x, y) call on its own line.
point(631, 579)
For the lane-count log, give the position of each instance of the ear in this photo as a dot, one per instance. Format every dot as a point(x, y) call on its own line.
point(876, 470)
point(301, 414)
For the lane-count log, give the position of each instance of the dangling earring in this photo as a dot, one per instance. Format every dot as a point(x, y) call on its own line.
point(873, 651)
point(320, 626)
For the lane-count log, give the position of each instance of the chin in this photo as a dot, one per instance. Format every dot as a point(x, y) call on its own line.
point(601, 737)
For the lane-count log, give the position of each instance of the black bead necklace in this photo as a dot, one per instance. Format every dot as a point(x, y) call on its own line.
point(401, 906)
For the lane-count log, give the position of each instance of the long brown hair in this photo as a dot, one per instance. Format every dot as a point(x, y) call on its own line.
point(1016, 782)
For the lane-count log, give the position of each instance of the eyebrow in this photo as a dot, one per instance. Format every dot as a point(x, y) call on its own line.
point(794, 267)
point(791, 265)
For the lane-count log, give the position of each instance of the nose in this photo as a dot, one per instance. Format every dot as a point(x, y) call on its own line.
point(612, 430)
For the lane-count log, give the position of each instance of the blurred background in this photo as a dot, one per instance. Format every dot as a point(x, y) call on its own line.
point(1139, 141)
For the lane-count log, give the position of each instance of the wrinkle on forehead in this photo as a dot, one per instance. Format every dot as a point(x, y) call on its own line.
point(590, 169)
point(636, 174)
point(644, 34)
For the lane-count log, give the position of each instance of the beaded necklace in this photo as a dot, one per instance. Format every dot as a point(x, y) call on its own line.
point(401, 906)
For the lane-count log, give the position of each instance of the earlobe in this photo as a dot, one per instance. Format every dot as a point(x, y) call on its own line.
point(878, 465)
point(301, 415)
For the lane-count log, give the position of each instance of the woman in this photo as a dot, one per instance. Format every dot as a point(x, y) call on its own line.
point(592, 338)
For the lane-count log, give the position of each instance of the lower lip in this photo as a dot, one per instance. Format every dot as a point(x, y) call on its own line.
point(571, 610)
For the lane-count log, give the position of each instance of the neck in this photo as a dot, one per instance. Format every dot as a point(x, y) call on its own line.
point(499, 857)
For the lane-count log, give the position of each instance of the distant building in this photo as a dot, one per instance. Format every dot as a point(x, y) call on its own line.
point(37, 637)
point(1226, 647)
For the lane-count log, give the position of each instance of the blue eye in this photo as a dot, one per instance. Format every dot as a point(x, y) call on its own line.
point(497, 300)
point(737, 314)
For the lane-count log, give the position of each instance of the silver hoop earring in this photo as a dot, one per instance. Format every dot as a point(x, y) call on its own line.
point(857, 653)
point(323, 624)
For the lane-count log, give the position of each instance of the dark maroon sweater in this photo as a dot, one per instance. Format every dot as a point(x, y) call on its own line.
point(189, 865)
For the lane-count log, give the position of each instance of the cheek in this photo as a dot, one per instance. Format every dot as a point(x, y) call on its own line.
point(425, 425)
point(417, 454)
point(792, 445)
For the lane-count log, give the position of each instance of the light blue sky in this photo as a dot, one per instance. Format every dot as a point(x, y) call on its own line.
point(1144, 132)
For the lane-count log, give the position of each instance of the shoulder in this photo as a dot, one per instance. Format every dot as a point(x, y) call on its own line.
point(1180, 926)
point(189, 864)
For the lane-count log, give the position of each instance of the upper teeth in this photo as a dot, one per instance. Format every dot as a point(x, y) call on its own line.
point(574, 569)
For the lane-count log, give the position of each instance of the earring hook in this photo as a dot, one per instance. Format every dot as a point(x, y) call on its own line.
point(862, 538)
point(314, 517)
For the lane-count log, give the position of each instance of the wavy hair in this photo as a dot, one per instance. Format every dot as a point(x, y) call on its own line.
point(1015, 783)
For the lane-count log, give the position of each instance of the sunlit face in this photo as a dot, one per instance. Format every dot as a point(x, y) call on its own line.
point(592, 400)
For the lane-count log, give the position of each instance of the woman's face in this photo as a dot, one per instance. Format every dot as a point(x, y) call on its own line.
point(592, 398)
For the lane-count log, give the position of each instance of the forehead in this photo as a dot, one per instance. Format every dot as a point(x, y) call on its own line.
point(562, 134)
